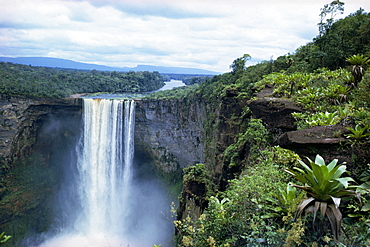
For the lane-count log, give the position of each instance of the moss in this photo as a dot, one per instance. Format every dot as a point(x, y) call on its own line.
point(24, 206)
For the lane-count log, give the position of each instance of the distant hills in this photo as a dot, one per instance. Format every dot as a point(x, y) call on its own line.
point(69, 64)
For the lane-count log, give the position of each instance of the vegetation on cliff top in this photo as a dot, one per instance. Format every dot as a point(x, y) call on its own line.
point(257, 207)
point(16, 79)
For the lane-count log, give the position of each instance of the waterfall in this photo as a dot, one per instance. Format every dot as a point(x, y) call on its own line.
point(104, 180)
point(105, 173)
point(100, 202)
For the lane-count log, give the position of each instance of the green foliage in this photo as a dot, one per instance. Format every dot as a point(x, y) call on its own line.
point(311, 90)
point(307, 120)
point(190, 80)
point(246, 213)
point(358, 133)
point(251, 210)
point(238, 65)
point(358, 59)
point(329, 10)
point(288, 198)
point(324, 94)
point(196, 172)
point(342, 39)
point(326, 187)
point(16, 79)
point(360, 95)
point(358, 62)
point(357, 222)
point(175, 93)
point(4, 238)
point(257, 208)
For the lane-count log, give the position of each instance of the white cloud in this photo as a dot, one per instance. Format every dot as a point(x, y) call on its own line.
point(202, 34)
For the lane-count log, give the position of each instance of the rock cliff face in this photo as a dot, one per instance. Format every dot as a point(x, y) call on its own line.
point(20, 118)
point(168, 135)
point(170, 132)
point(33, 139)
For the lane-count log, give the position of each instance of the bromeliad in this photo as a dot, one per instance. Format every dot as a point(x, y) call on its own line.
point(325, 187)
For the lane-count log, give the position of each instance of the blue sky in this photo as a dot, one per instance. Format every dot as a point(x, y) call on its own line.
point(204, 34)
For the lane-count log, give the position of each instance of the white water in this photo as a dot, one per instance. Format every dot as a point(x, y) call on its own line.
point(104, 201)
point(106, 175)
point(105, 157)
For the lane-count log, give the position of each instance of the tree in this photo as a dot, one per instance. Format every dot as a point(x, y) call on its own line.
point(329, 9)
point(239, 64)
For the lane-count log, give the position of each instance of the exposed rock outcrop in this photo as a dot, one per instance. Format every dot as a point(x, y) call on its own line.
point(324, 140)
point(20, 120)
point(33, 139)
point(275, 113)
point(170, 132)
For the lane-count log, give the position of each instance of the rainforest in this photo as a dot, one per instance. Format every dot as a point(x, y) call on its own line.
point(274, 154)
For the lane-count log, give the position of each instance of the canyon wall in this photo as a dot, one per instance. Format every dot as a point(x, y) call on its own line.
point(170, 132)
point(21, 118)
point(170, 135)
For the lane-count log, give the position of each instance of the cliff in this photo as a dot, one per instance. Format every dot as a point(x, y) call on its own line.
point(33, 136)
point(170, 135)
point(170, 132)
point(20, 118)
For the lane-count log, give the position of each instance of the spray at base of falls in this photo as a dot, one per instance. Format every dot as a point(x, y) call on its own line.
point(112, 209)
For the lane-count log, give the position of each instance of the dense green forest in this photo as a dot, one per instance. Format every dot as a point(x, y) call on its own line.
point(330, 79)
point(278, 198)
point(16, 79)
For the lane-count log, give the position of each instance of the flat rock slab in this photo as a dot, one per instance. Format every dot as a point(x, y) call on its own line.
point(276, 113)
point(332, 134)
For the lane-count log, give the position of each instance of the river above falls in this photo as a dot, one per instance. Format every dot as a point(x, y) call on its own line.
point(168, 86)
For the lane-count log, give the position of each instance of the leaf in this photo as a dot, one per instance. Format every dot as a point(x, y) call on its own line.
point(305, 166)
point(302, 206)
point(344, 181)
point(341, 169)
point(323, 207)
point(335, 219)
point(336, 201)
point(366, 207)
point(364, 188)
point(332, 164)
point(317, 206)
point(319, 160)
point(298, 176)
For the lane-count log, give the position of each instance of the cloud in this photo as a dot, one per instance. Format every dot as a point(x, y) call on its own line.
point(202, 34)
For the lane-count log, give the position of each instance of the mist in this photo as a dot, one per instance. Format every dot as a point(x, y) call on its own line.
point(146, 219)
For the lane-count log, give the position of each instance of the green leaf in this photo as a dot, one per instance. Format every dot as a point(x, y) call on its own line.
point(365, 187)
point(344, 181)
point(319, 160)
point(341, 169)
point(332, 164)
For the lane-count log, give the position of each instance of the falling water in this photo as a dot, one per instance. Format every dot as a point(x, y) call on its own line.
point(105, 174)
point(101, 204)
point(105, 157)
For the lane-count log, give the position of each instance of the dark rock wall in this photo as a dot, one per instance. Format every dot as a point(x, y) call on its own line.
point(170, 132)
point(35, 136)
point(20, 118)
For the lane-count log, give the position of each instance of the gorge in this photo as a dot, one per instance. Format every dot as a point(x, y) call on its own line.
point(169, 136)
point(87, 192)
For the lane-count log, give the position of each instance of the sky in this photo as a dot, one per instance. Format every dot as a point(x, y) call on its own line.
point(204, 34)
